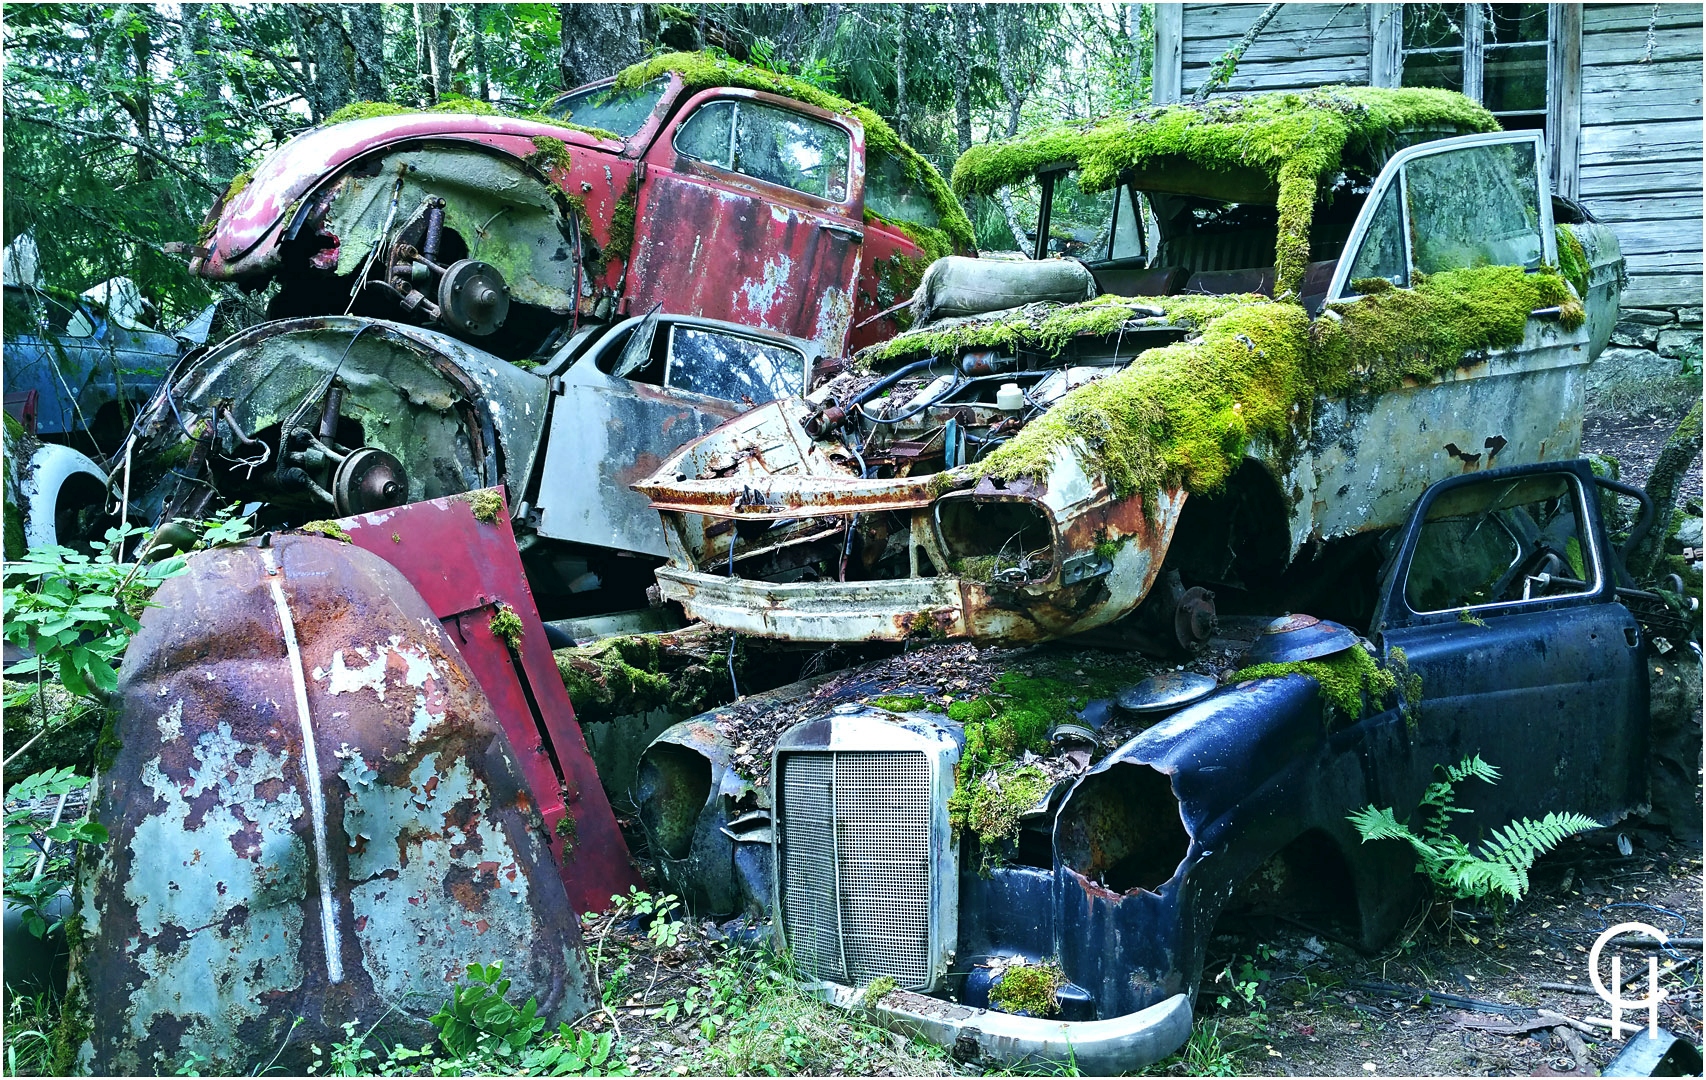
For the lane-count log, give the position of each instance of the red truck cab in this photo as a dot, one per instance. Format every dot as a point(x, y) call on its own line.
point(720, 201)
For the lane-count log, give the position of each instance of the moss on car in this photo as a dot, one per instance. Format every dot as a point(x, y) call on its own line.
point(1295, 141)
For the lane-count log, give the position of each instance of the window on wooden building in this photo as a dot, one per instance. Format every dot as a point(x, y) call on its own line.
point(1494, 53)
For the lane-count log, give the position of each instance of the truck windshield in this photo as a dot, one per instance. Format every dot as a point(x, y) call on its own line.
point(624, 112)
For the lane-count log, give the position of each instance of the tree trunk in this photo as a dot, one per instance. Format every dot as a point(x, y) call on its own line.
point(962, 74)
point(1665, 481)
point(902, 121)
point(1014, 225)
point(483, 70)
point(201, 64)
point(367, 35)
point(443, 64)
point(598, 40)
point(304, 59)
point(423, 76)
point(140, 103)
point(331, 70)
point(1221, 73)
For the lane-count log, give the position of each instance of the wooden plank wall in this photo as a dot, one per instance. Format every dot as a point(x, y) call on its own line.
point(1305, 45)
point(1641, 143)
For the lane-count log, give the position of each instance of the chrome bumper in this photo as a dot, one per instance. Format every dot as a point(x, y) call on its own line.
point(1094, 1047)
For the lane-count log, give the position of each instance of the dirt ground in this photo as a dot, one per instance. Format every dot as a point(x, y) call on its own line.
point(1635, 441)
point(1331, 1010)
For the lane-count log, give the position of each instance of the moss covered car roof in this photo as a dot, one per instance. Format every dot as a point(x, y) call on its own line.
point(1275, 148)
point(701, 71)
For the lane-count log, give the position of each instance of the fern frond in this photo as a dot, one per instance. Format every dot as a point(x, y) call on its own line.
point(1473, 877)
point(1379, 823)
point(1525, 840)
point(1500, 866)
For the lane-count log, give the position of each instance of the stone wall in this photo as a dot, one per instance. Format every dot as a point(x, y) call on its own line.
point(1652, 363)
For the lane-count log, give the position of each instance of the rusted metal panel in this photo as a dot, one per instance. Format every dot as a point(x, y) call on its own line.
point(314, 817)
point(1363, 461)
point(719, 244)
point(252, 224)
point(1103, 552)
point(467, 570)
point(606, 434)
point(456, 417)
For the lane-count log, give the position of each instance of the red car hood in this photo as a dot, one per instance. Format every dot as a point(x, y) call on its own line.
point(293, 169)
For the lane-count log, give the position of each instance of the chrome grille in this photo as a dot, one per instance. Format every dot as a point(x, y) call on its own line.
point(855, 873)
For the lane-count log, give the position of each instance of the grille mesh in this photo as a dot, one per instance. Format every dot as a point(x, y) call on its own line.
point(871, 915)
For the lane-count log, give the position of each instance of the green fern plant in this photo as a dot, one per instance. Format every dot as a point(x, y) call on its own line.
point(1498, 866)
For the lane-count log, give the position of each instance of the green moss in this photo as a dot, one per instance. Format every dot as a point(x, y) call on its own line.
point(1392, 335)
point(549, 153)
point(329, 529)
point(75, 1026)
point(932, 243)
point(990, 805)
point(486, 504)
point(1182, 415)
point(701, 71)
point(506, 626)
point(878, 989)
point(1572, 259)
point(1049, 327)
point(1028, 989)
point(238, 183)
point(910, 703)
point(568, 830)
point(621, 226)
point(1293, 141)
point(366, 110)
point(629, 675)
point(1177, 416)
point(1343, 678)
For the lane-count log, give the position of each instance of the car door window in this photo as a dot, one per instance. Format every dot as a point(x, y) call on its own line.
point(890, 193)
point(708, 135)
point(1129, 240)
point(770, 144)
point(624, 112)
point(1501, 541)
point(1079, 221)
point(1475, 206)
point(734, 368)
point(1382, 251)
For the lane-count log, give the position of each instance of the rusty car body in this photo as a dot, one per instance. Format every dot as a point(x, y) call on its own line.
point(334, 786)
point(723, 202)
point(1119, 873)
point(329, 417)
point(858, 517)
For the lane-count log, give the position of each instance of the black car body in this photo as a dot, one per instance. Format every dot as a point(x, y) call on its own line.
point(1502, 595)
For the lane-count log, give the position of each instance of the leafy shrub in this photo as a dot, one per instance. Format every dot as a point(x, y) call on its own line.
point(1500, 864)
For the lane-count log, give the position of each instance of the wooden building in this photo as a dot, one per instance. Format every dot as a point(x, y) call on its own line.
point(1616, 87)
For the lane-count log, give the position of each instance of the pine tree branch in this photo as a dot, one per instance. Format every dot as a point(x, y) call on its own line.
point(151, 152)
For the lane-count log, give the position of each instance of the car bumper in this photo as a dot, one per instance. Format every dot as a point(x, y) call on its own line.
point(889, 610)
point(1094, 1047)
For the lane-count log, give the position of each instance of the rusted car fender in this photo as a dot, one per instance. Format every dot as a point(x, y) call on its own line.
point(250, 223)
point(455, 417)
point(315, 819)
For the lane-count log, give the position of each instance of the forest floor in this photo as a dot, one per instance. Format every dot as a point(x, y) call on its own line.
point(1459, 994)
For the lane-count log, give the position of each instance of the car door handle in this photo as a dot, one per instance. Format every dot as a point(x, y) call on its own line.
point(852, 234)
